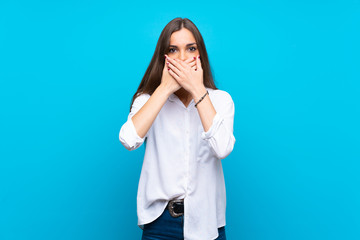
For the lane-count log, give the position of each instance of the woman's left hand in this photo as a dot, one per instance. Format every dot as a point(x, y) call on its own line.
point(191, 79)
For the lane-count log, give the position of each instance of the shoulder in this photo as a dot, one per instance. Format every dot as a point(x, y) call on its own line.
point(139, 101)
point(141, 98)
point(219, 95)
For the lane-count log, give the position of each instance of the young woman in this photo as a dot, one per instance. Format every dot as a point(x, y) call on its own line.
point(187, 126)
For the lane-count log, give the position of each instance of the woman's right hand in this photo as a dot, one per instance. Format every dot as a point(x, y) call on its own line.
point(168, 81)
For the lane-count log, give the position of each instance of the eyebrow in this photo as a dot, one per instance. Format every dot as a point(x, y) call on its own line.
point(186, 45)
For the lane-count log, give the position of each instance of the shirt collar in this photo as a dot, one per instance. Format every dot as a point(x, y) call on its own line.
point(172, 97)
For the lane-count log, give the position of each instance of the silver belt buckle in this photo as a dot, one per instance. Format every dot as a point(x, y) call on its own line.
point(171, 208)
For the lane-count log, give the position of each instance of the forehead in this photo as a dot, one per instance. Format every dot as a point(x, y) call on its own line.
point(181, 37)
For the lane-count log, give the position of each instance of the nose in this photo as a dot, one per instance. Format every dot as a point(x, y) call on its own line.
point(182, 56)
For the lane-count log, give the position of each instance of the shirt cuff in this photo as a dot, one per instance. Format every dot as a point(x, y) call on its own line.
point(129, 133)
point(214, 127)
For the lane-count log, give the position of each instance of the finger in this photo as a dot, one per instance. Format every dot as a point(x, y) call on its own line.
point(198, 62)
point(183, 64)
point(174, 75)
point(193, 63)
point(171, 61)
point(190, 60)
point(165, 65)
point(174, 69)
point(175, 63)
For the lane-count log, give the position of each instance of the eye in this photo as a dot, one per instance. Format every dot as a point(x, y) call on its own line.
point(171, 50)
point(192, 49)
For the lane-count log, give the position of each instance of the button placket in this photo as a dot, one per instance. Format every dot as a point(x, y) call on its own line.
point(187, 148)
point(188, 143)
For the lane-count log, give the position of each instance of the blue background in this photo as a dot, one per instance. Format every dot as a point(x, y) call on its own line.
point(68, 70)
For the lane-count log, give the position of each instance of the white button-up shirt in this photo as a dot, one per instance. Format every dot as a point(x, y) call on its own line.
point(183, 162)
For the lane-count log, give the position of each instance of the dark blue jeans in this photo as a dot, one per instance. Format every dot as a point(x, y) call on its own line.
point(167, 227)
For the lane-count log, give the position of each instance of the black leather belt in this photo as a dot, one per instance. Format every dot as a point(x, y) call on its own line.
point(176, 207)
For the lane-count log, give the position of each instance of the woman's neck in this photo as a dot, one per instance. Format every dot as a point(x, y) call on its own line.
point(184, 96)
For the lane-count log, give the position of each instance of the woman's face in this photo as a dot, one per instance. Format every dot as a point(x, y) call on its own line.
point(182, 45)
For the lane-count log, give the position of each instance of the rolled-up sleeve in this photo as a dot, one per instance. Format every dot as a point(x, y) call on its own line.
point(128, 135)
point(220, 135)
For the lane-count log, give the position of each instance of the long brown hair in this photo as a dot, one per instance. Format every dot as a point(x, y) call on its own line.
point(153, 74)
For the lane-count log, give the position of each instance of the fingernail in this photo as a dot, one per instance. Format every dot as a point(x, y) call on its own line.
point(194, 57)
point(168, 69)
point(199, 56)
